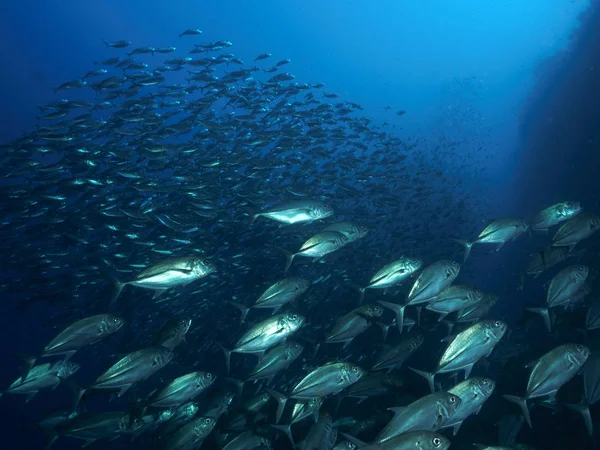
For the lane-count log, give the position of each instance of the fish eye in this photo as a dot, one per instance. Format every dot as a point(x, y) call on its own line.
point(497, 323)
point(436, 441)
point(355, 369)
point(207, 421)
point(294, 317)
point(209, 375)
point(116, 320)
point(452, 399)
point(580, 348)
point(485, 381)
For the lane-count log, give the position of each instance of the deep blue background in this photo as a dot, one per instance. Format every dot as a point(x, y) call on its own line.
point(531, 99)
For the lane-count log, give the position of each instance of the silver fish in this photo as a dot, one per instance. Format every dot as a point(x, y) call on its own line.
point(319, 245)
point(296, 211)
point(394, 357)
point(135, 367)
point(183, 389)
point(328, 379)
point(352, 324)
point(429, 413)
point(266, 334)
point(498, 232)
point(576, 229)
point(550, 373)
point(169, 274)
point(276, 360)
point(42, 376)
point(353, 231)
point(467, 348)
point(555, 214)
point(473, 393)
point(393, 274)
point(454, 298)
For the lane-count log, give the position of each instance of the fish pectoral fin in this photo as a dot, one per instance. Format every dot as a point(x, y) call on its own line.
point(30, 395)
point(397, 410)
point(467, 370)
point(499, 246)
point(123, 390)
point(158, 293)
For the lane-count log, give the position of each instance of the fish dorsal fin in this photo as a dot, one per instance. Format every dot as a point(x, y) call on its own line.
point(397, 410)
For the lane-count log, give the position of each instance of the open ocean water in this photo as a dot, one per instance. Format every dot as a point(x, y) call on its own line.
point(316, 225)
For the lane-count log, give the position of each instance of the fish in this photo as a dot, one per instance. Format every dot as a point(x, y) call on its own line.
point(266, 334)
point(392, 274)
point(468, 347)
point(319, 245)
point(277, 295)
point(498, 232)
point(550, 373)
point(328, 379)
point(555, 214)
point(545, 259)
point(352, 324)
point(276, 360)
point(575, 230)
point(42, 376)
point(454, 298)
point(191, 436)
point(353, 231)
point(132, 368)
point(429, 413)
point(563, 287)
point(433, 279)
point(296, 211)
point(182, 389)
point(169, 274)
point(473, 393)
point(395, 356)
point(82, 333)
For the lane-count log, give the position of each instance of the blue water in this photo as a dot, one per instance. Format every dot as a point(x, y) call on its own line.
point(511, 86)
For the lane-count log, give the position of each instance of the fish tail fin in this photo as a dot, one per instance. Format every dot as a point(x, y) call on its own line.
point(281, 402)
point(252, 213)
point(239, 384)
point(117, 286)
point(243, 309)
point(545, 313)
point(384, 329)
point(227, 354)
point(584, 410)
point(355, 441)
point(289, 260)
point(429, 376)
point(398, 310)
point(361, 291)
point(28, 362)
point(522, 404)
point(287, 429)
point(467, 245)
point(53, 436)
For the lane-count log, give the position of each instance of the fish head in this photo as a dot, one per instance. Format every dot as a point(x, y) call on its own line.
point(594, 223)
point(183, 326)
point(64, 369)
point(448, 405)
point(580, 353)
point(411, 265)
point(320, 210)
point(204, 426)
point(361, 230)
point(189, 409)
point(416, 341)
point(204, 379)
point(292, 321)
point(580, 272)
point(162, 357)
point(475, 296)
point(566, 210)
point(112, 324)
point(202, 267)
point(485, 386)
point(496, 329)
point(451, 269)
point(354, 372)
point(434, 441)
point(295, 349)
point(302, 284)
